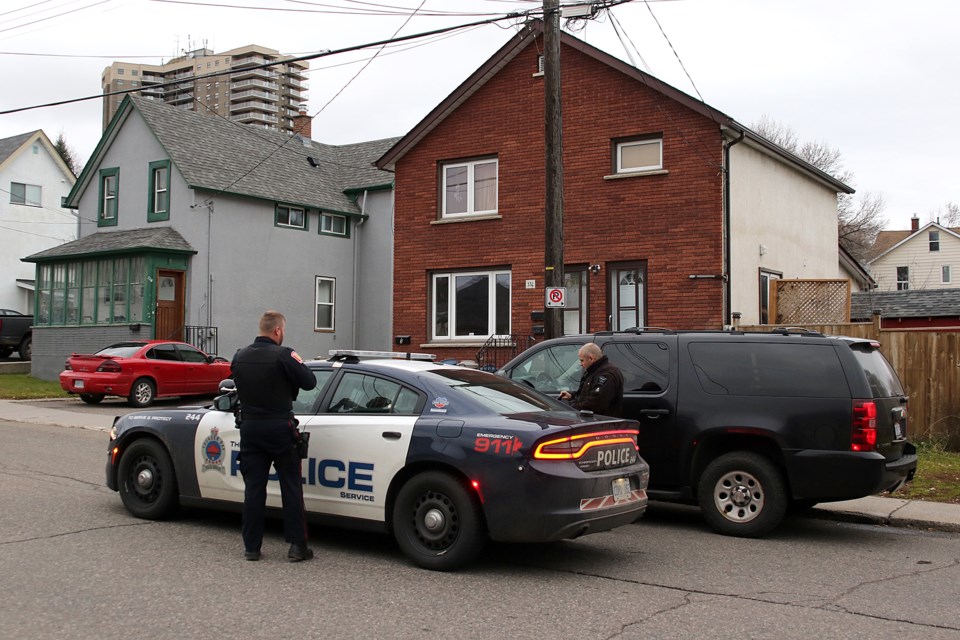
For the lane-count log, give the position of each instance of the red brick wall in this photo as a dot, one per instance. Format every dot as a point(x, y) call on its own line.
point(673, 222)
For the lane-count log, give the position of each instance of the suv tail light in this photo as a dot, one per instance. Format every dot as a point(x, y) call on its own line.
point(109, 366)
point(573, 447)
point(863, 436)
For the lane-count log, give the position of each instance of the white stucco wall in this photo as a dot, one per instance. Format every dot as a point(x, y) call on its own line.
point(782, 221)
point(29, 229)
point(925, 265)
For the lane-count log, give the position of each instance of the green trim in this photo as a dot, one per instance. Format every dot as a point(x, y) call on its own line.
point(87, 173)
point(346, 225)
point(113, 172)
point(66, 257)
point(152, 214)
point(288, 207)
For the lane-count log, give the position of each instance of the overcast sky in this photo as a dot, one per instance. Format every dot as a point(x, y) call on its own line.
point(876, 79)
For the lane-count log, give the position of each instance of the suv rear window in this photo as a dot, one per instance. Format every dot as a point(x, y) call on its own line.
point(754, 368)
point(883, 380)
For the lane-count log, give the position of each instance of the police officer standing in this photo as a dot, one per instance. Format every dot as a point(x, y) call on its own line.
point(601, 386)
point(268, 378)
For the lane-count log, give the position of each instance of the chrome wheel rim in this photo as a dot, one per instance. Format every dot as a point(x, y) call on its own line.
point(739, 496)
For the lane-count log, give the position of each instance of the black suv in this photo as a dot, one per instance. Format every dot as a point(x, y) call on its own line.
point(748, 424)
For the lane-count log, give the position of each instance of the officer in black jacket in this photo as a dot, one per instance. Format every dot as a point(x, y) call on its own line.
point(268, 378)
point(601, 386)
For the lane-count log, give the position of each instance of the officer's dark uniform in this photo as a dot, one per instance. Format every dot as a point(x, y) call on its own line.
point(268, 378)
point(600, 390)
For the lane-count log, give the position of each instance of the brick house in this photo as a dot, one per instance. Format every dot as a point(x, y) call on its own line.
point(675, 215)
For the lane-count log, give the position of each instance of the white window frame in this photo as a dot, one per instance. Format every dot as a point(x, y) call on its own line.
point(946, 275)
point(28, 191)
point(903, 285)
point(289, 210)
point(326, 224)
point(635, 143)
point(451, 294)
point(471, 187)
point(331, 303)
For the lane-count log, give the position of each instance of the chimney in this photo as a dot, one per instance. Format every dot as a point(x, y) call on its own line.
point(302, 123)
point(915, 223)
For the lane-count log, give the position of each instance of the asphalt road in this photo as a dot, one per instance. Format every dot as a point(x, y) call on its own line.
point(76, 565)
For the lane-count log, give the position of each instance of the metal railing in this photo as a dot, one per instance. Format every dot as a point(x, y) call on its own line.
point(203, 338)
point(500, 349)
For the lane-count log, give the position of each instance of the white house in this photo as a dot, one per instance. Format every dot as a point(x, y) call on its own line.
point(33, 179)
point(923, 258)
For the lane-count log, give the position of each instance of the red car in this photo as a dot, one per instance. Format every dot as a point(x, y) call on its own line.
point(143, 371)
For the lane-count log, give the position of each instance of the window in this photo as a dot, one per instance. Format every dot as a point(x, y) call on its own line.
point(903, 278)
point(109, 194)
point(120, 72)
point(550, 370)
point(28, 194)
point(134, 72)
point(945, 274)
point(934, 237)
point(106, 291)
point(326, 299)
point(470, 305)
point(158, 207)
point(469, 188)
point(191, 354)
point(575, 312)
point(334, 225)
point(628, 295)
point(293, 217)
point(362, 393)
point(639, 155)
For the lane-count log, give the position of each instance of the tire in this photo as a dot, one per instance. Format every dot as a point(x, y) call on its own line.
point(437, 522)
point(92, 398)
point(25, 350)
point(742, 494)
point(142, 393)
point(147, 482)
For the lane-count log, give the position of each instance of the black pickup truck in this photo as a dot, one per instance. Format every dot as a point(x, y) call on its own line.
point(16, 334)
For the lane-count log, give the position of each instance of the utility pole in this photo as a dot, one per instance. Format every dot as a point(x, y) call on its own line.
point(553, 214)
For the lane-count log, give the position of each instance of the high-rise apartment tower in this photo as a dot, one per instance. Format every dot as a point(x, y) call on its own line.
point(267, 97)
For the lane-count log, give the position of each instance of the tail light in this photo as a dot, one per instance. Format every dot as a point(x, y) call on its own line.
point(863, 436)
point(109, 366)
point(573, 447)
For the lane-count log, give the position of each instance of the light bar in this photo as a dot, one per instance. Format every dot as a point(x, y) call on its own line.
point(359, 353)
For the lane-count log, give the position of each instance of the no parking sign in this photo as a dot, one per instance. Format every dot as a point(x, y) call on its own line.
point(556, 297)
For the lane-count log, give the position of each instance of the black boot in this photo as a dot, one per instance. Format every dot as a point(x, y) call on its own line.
point(299, 551)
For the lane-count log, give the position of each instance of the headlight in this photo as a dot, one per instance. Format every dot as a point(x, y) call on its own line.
point(113, 429)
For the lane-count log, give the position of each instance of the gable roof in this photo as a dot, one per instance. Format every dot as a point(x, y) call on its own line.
point(913, 303)
point(164, 239)
point(220, 155)
point(853, 266)
point(10, 147)
point(528, 36)
point(888, 241)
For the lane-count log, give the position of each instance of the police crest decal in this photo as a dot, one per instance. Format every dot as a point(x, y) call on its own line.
point(212, 448)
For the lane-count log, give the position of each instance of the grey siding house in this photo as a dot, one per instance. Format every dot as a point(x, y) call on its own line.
point(191, 226)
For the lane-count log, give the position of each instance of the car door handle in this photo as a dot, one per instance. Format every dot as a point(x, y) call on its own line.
point(653, 414)
point(391, 435)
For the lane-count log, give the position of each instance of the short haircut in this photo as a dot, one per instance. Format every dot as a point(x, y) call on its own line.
point(591, 349)
point(270, 320)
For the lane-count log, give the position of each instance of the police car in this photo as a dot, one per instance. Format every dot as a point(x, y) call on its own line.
point(443, 457)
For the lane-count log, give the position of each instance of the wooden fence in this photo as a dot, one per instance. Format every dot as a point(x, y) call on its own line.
point(928, 363)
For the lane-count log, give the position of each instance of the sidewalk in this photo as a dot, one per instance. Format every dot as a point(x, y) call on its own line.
point(893, 512)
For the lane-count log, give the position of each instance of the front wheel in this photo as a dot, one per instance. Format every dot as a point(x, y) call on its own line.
point(742, 494)
point(148, 484)
point(142, 393)
point(437, 522)
point(92, 398)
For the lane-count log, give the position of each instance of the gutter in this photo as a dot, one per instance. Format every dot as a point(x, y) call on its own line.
point(727, 288)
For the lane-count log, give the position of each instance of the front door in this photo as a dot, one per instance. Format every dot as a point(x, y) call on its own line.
point(627, 296)
point(169, 305)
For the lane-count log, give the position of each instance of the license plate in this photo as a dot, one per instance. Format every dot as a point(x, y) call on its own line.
point(897, 431)
point(78, 384)
point(621, 489)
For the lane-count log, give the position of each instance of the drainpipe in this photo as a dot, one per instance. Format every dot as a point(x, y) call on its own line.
point(356, 267)
point(726, 229)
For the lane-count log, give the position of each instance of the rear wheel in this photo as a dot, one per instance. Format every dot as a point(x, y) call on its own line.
point(92, 398)
point(148, 485)
point(742, 494)
point(142, 392)
point(437, 522)
point(25, 350)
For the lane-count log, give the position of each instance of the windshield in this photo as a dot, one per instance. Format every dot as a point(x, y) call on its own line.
point(496, 393)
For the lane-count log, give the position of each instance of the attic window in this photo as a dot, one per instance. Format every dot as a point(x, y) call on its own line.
point(934, 240)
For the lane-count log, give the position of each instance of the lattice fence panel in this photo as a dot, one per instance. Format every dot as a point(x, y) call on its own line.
point(810, 301)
